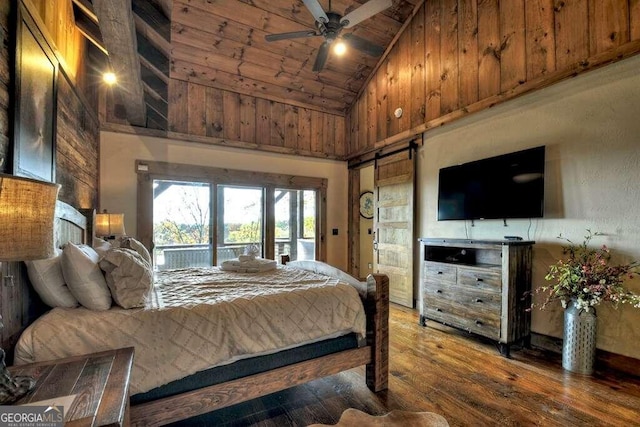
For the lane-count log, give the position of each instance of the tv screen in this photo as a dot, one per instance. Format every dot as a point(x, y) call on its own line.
point(507, 186)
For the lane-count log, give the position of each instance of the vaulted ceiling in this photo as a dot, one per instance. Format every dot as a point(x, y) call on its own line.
point(221, 43)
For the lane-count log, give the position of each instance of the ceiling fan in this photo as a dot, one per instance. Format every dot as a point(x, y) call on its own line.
point(330, 24)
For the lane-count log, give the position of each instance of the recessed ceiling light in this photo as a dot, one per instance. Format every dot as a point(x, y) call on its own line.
point(109, 78)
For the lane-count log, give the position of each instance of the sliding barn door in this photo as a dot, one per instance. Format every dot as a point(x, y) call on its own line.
point(393, 223)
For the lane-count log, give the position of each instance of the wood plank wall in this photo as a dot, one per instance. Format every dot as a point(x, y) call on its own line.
point(58, 19)
point(249, 122)
point(5, 84)
point(77, 139)
point(209, 115)
point(461, 56)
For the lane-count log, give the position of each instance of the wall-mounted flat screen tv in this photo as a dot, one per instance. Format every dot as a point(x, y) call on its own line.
point(501, 187)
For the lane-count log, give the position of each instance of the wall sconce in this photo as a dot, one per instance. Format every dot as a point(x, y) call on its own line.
point(109, 77)
point(109, 225)
point(27, 212)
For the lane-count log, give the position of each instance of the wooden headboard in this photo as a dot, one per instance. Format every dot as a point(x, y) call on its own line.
point(19, 304)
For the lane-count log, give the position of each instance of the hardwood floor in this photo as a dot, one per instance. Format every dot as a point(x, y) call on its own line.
point(442, 370)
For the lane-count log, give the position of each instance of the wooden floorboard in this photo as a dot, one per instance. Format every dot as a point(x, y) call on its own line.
point(463, 378)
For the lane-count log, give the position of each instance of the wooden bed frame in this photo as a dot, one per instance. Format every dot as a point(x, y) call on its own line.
point(72, 225)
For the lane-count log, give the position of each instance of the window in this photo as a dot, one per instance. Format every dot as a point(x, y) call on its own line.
point(181, 224)
point(295, 223)
point(185, 211)
point(240, 220)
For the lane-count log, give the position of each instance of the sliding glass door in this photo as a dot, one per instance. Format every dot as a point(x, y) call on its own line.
point(181, 224)
point(199, 216)
point(295, 224)
point(240, 221)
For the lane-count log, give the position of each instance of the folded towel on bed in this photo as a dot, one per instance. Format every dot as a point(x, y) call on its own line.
point(244, 265)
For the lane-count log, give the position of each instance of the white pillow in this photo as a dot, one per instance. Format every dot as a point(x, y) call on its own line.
point(100, 246)
point(47, 279)
point(136, 245)
point(84, 277)
point(129, 277)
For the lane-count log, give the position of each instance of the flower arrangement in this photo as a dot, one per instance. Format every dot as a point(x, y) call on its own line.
point(587, 276)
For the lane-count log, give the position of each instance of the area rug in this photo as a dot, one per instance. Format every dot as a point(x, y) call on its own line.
point(354, 418)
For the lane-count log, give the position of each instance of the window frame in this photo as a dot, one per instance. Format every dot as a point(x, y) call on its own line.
point(148, 171)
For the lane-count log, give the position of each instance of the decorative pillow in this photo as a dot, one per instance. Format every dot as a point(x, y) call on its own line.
point(136, 245)
point(100, 246)
point(47, 279)
point(129, 277)
point(84, 277)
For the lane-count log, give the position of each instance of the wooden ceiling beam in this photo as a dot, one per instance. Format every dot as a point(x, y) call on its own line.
point(88, 27)
point(86, 8)
point(165, 6)
point(154, 38)
point(153, 16)
point(116, 25)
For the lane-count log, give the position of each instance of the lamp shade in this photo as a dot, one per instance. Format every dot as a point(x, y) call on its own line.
point(109, 224)
point(27, 211)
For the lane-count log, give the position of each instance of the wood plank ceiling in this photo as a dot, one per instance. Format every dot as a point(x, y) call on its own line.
point(221, 44)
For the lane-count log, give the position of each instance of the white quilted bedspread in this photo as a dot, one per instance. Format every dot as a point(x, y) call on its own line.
point(200, 318)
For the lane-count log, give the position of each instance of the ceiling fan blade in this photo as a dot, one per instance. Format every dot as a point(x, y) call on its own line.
point(291, 35)
point(321, 59)
point(365, 11)
point(363, 45)
point(316, 10)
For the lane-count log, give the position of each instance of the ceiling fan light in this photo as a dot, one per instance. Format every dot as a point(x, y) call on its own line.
point(340, 48)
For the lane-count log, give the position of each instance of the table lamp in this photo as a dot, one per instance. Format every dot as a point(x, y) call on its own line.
point(27, 211)
point(109, 225)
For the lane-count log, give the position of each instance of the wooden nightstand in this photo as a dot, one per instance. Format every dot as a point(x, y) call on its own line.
point(100, 381)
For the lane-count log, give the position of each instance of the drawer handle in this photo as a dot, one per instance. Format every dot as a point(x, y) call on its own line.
point(479, 279)
point(438, 291)
point(478, 323)
point(477, 300)
point(439, 272)
point(439, 310)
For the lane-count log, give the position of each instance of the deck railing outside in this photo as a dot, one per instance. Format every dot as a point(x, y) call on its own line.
point(168, 257)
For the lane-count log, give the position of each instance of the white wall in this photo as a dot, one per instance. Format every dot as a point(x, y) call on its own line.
point(118, 182)
point(591, 128)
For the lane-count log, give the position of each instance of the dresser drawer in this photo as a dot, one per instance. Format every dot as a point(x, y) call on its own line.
point(487, 326)
point(469, 299)
point(480, 278)
point(440, 289)
point(439, 272)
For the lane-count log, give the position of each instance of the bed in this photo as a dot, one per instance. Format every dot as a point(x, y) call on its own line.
point(197, 389)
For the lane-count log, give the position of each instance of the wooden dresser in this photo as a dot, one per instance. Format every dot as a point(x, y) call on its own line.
point(479, 286)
